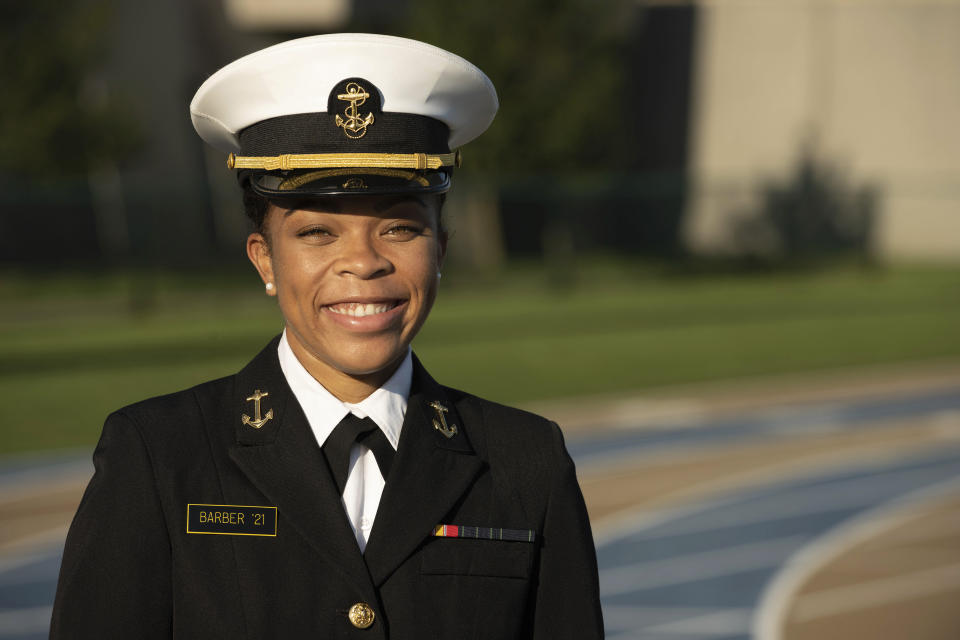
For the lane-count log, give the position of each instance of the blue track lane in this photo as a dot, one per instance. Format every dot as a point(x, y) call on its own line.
point(653, 438)
point(701, 573)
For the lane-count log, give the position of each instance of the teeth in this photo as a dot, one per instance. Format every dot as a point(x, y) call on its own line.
point(359, 310)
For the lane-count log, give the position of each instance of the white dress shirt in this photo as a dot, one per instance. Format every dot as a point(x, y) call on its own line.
point(386, 406)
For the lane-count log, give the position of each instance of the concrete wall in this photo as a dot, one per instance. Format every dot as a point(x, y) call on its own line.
point(870, 87)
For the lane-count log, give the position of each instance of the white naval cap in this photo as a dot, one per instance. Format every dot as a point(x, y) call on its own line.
point(297, 117)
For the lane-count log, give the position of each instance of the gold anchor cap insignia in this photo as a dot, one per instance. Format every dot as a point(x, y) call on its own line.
point(447, 430)
point(257, 422)
point(354, 125)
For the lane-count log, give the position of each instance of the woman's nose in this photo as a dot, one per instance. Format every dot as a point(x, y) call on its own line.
point(361, 258)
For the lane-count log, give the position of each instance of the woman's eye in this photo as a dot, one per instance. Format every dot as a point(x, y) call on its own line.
point(314, 232)
point(404, 231)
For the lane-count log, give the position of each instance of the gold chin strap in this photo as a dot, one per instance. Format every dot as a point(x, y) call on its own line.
point(287, 161)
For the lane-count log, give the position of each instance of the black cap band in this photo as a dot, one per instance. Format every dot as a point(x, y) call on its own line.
point(353, 101)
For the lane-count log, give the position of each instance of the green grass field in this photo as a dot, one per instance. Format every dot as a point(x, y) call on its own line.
point(74, 348)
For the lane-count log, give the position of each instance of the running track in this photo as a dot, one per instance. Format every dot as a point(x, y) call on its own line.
point(692, 571)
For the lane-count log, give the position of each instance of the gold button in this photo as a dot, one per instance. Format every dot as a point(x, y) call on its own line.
point(361, 615)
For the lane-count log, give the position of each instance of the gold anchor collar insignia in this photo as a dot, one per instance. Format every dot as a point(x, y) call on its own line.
point(257, 421)
point(354, 125)
point(440, 422)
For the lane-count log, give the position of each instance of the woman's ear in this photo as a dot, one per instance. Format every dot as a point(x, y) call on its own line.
point(258, 250)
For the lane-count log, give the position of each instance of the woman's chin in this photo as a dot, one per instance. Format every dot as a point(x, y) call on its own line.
point(369, 361)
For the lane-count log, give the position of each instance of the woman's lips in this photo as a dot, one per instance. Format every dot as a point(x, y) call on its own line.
point(372, 315)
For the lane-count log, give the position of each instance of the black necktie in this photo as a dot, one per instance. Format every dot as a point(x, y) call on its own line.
point(363, 431)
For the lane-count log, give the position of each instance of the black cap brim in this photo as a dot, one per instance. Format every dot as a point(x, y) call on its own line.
point(299, 183)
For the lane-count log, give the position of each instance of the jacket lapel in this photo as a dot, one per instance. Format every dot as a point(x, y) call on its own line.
point(429, 474)
point(282, 459)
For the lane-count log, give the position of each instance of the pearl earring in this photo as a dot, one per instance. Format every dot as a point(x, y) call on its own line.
point(269, 287)
point(439, 275)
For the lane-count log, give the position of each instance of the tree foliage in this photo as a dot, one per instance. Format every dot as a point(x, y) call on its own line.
point(558, 69)
point(816, 213)
point(56, 118)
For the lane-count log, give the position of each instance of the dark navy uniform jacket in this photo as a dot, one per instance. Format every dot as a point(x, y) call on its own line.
point(131, 570)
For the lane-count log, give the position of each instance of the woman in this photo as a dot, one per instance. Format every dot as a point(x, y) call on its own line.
point(332, 488)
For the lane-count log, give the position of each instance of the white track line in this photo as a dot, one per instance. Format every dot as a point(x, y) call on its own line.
point(800, 501)
point(940, 529)
point(866, 595)
point(722, 623)
point(39, 482)
point(781, 591)
point(628, 522)
point(48, 538)
point(717, 491)
point(628, 617)
point(781, 424)
point(16, 622)
point(13, 563)
point(697, 566)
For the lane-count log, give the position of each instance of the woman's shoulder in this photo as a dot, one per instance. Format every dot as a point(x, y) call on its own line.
point(177, 410)
point(497, 412)
point(181, 399)
point(524, 452)
point(508, 430)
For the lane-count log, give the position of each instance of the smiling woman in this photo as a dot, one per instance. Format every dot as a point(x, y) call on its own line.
point(358, 496)
point(355, 279)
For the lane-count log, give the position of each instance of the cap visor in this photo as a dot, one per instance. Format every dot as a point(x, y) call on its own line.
point(347, 181)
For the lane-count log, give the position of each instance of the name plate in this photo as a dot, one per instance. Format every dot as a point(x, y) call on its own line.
point(231, 520)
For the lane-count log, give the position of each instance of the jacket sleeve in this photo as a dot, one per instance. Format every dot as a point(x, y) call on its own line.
point(568, 593)
point(115, 576)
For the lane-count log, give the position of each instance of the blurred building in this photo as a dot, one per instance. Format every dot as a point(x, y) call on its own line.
point(869, 89)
